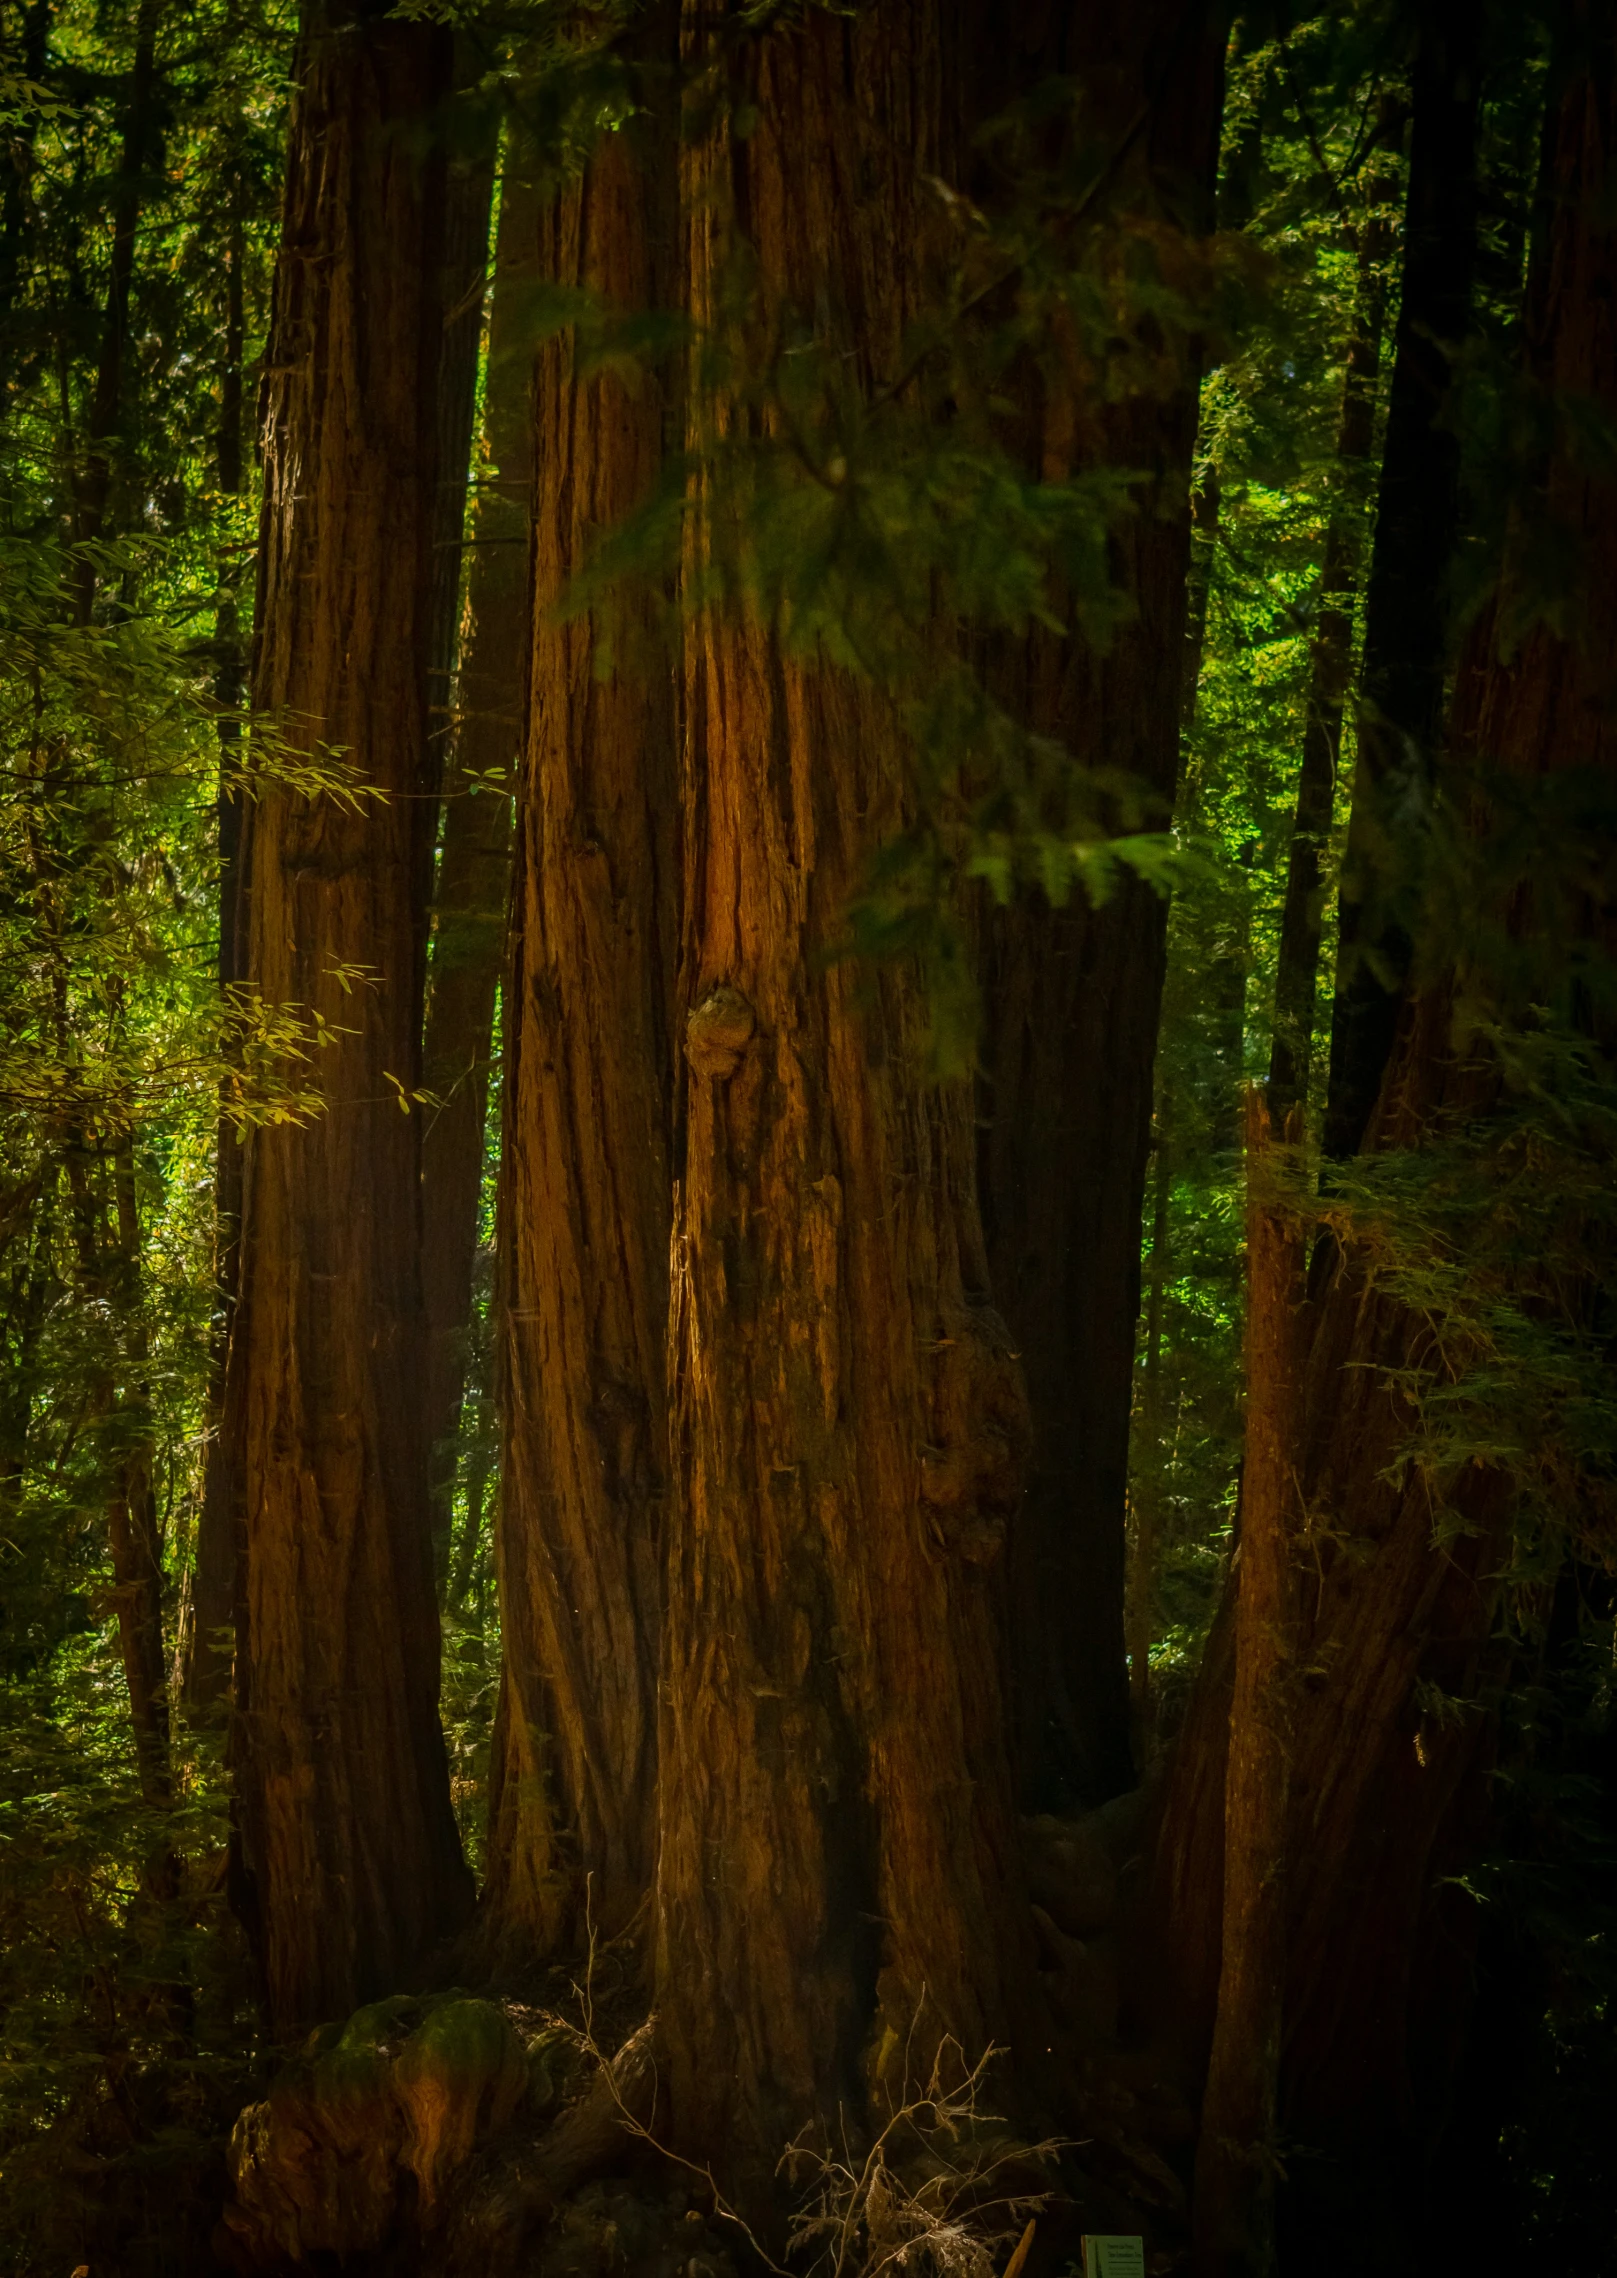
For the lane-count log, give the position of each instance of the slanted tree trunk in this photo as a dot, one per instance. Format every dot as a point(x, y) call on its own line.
point(837, 1882)
point(584, 1207)
point(1405, 658)
point(1330, 662)
point(1072, 995)
point(1391, 1739)
point(349, 1864)
point(474, 862)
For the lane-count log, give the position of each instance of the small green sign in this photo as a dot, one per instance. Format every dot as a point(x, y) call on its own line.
point(1113, 2256)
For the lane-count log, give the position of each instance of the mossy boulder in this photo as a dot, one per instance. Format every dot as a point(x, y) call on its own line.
point(460, 2075)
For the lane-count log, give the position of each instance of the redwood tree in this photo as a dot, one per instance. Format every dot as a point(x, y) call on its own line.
point(837, 1877)
point(1072, 994)
point(1399, 1636)
point(586, 1165)
point(349, 1866)
point(1406, 630)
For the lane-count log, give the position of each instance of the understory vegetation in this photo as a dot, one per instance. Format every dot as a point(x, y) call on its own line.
point(806, 930)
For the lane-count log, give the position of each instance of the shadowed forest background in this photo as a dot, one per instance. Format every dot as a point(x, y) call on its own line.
point(807, 1424)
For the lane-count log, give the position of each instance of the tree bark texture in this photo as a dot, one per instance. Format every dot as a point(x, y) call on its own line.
point(1386, 1788)
point(837, 1880)
point(1072, 994)
point(1405, 660)
point(349, 1864)
point(1236, 2152)
point(585, 1200)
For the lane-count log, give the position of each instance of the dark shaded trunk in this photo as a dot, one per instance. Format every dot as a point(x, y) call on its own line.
point(29, 58)
point(138, 158)
point(838, 1887)
point(211, 1612)
point(1206, 503)
point(134, 1523)
point(348, 1864)
point(1398, 1643)
point(1237, 2154)
point(1405, 658)
point(1330, 662)
point(585, 1198)
point(106, 1238)
point(1146, 1477)
point(1072, 995)
point(474, 859)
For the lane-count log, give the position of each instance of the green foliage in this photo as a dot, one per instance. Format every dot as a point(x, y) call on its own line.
point(126, 2028)
point(891, 519)
point(896, 523)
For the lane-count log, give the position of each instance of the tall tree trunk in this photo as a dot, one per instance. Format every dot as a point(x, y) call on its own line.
point(1072, 995)
point(837, 1887)
point(119, 1403)
point(1236, 2152)
point(137, 158)
point(1385, 1785)
point(1146, 1483)
point(1406, 606)
point(134, 1523)
point(29, 58)
point(585, 1200)
point(349, 1863)
point(1330, 662)
point(206, 1671)
point(474, 862)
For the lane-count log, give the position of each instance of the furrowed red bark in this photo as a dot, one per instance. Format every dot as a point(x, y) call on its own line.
point(585, 1198)
point(348, 1864)
point(1388, 1790)
point(837, 1881)
point(1237, 2152)
point(1403, 669)
point(1072, 995)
